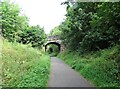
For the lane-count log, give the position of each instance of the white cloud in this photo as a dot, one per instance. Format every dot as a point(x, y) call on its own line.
point(46, 13)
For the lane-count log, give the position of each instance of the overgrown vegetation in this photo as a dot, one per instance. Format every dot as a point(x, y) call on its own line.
point(91, 26)
point(91, 34)
point(24, 66)
point(53, 50)
point(55, 31)
point(101, 68)
point(15, 26)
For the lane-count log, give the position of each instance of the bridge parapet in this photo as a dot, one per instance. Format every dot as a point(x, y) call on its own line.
point(57, 37)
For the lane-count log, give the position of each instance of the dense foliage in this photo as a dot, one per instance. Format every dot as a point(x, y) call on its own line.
point(23, 66)
point(91, 33)
point(34, 35)
point(53, 49)
point(99, 67)
point(55, 31)
point(91, 26)
point(15, 26)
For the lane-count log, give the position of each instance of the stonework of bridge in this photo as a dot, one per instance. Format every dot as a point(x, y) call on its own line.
point(56, 41)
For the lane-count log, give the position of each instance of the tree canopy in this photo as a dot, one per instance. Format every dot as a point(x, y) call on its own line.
point(55, 31)
point(90, 26)
point(15, 26)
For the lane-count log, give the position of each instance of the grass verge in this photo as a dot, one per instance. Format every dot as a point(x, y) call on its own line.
point(23, 66)
point(102, 68)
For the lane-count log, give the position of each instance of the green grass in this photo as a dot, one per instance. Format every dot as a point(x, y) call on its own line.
point(24, 66)
point(99, 67)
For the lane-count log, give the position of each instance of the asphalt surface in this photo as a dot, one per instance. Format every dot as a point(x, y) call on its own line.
point(62, 75)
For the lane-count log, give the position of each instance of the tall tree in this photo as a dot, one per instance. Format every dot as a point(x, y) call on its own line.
point(91, 26)
point(55, 31)
point(15, 26)
point(11, 21)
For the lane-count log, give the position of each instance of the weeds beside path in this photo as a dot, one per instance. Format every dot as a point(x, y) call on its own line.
point(63, 76)
point(24, 66)
point(101, 67)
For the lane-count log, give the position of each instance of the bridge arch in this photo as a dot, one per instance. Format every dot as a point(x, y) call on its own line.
point(56, 43)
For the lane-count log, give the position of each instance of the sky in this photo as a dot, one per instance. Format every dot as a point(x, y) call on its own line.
point(46, 13)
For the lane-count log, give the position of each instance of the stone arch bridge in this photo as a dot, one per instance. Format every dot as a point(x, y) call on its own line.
point(56, 41)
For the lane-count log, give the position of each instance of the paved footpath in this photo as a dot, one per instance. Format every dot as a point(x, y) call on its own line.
point(63, 76)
